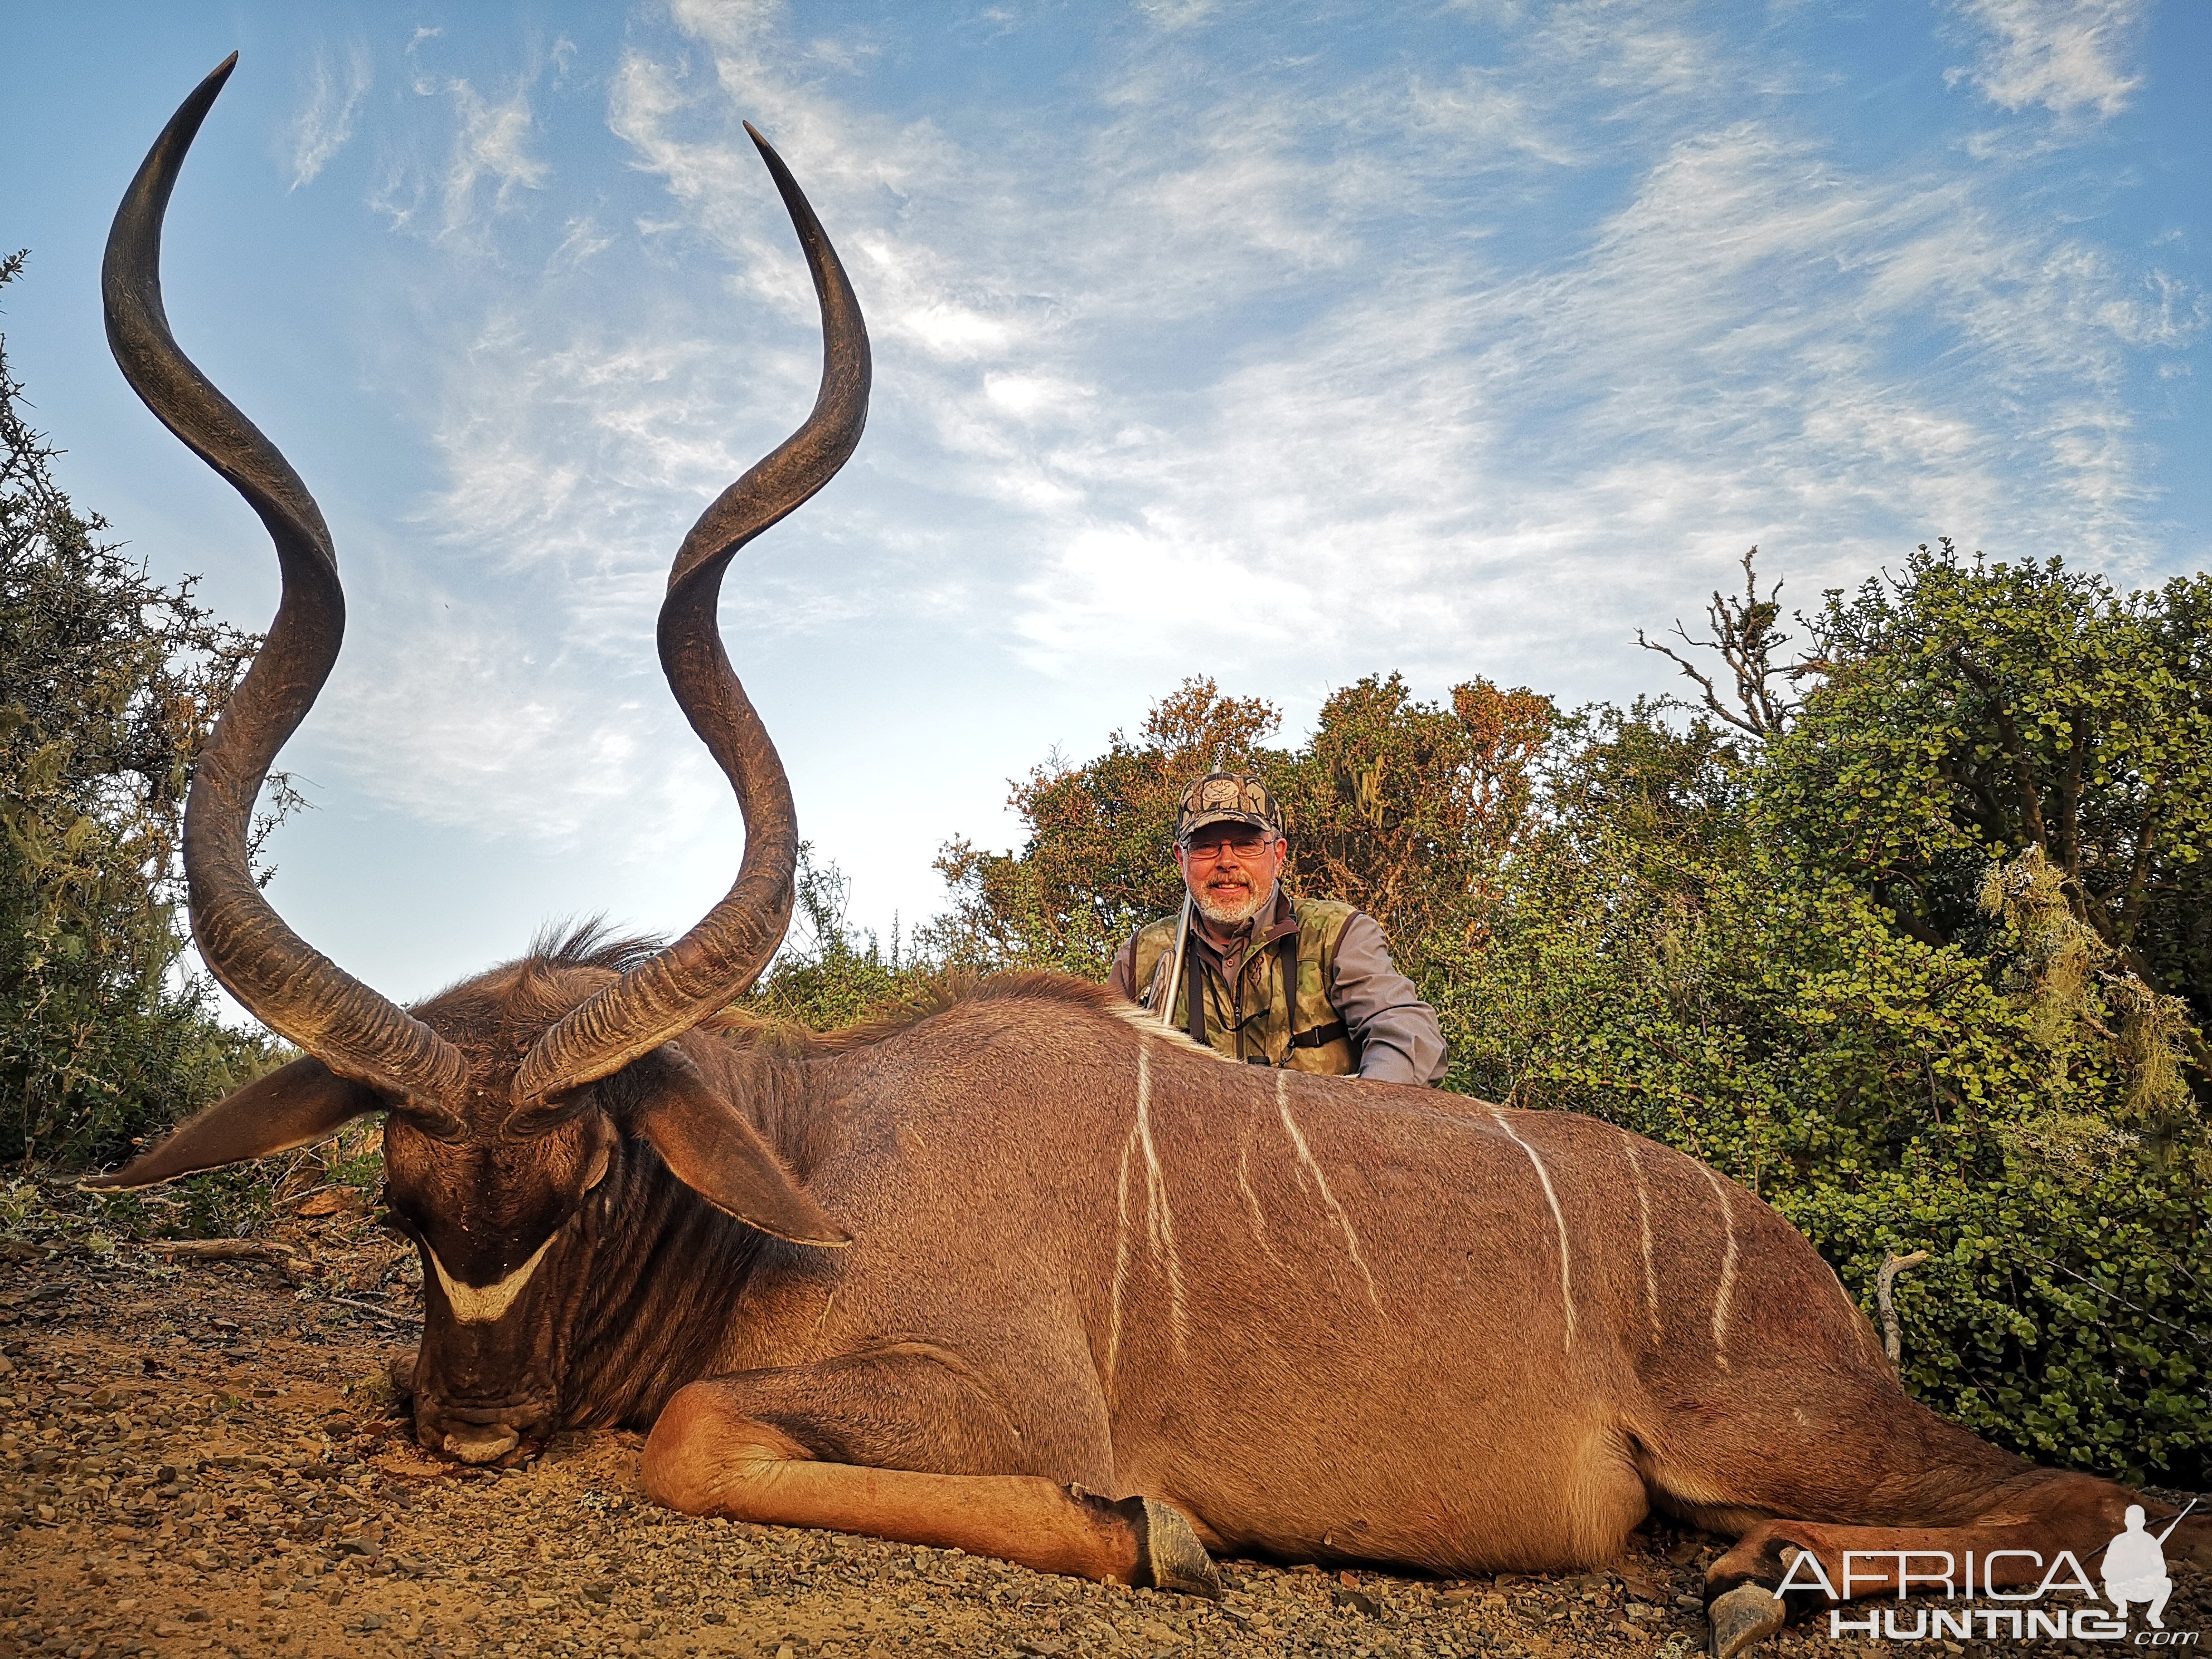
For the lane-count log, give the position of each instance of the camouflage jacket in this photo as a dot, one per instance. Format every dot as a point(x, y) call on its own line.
point(1310, 987)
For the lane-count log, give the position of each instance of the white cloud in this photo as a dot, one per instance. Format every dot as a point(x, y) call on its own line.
point(2071, 57)
point(583, 241)
point(457, 730)
point(335, 88)
point(1259, 371)
point(491, 141)
point(466, 154)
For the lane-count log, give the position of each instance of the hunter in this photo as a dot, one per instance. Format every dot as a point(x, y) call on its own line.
point(1269, 978)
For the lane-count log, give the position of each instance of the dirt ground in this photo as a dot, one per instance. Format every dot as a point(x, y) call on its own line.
point(201, 1455)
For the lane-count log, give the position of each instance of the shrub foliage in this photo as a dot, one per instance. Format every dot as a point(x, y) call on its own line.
point(108, 684)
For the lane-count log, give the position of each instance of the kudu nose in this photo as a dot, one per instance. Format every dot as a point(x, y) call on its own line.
point(481, 1442)
point(478, 1434)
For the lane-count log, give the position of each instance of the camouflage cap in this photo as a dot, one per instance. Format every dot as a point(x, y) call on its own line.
point(1227, 798)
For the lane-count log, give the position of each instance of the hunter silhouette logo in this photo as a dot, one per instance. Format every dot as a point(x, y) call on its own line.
point(2134, 1566)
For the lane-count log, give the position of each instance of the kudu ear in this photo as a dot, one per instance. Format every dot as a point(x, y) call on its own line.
point(295, 1105)
point(709, 1146)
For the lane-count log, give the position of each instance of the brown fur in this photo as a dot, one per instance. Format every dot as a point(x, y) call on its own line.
point(786, 1039)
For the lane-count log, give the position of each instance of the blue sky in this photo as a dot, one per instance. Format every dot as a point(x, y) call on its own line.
point(1280, 344)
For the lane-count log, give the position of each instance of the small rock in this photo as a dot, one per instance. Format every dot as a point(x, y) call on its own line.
point(1359, 1600)
point(372, 1621)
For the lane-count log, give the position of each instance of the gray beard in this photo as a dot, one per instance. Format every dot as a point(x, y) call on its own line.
point(1232, 916)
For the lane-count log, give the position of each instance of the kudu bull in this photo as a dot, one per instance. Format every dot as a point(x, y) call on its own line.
point(1025, 1274)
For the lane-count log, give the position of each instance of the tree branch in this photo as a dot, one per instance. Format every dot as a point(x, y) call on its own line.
point(1745, 636)
point(2031, 800)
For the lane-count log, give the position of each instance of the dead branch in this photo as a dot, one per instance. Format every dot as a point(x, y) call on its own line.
point(224, 1250)
point(381, 1313)
point(1893, 1338)
point(1745, 636)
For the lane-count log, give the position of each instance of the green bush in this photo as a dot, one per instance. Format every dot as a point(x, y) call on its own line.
point(1885, 1095)
point(828, 974)
point(108, 684)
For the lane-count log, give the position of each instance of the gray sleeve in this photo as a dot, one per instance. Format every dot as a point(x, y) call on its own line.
point(1396, 1033)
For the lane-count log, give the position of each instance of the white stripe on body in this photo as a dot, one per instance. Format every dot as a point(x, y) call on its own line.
point(1252, 1198)
point(1727, 1287)
point(1558, 1220)
point(1320, 1181)
point(1643, 1213)
point(1160, 1219)
point(1120, 1259)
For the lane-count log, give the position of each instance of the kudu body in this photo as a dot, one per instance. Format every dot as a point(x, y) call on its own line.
point(1026, 1274)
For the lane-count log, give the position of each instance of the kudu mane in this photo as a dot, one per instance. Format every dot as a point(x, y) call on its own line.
point(776, 1036)
point(567, 962)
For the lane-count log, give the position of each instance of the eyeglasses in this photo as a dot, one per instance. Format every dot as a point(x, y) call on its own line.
point(1245, 844)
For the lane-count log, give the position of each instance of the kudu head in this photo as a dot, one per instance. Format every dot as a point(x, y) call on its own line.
point(508, 1097)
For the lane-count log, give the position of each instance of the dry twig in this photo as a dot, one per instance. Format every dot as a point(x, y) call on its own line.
point(1892, 1337)
point(225, 1250)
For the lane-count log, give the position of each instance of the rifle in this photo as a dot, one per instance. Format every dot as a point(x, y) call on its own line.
point(1166, 1010)
point(2176, 1521)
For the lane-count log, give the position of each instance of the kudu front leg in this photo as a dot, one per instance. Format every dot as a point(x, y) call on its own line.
point(796, 1448)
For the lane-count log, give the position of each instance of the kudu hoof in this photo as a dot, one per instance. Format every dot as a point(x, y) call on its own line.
point(1170, 1555)
point(1743, 1617)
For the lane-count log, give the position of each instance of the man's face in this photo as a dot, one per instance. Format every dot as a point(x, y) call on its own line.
point(1231, 869)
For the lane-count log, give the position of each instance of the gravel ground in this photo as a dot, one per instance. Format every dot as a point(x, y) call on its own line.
point(203, 1456)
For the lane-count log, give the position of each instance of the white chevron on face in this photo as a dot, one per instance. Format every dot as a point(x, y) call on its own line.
point(479, 1305)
